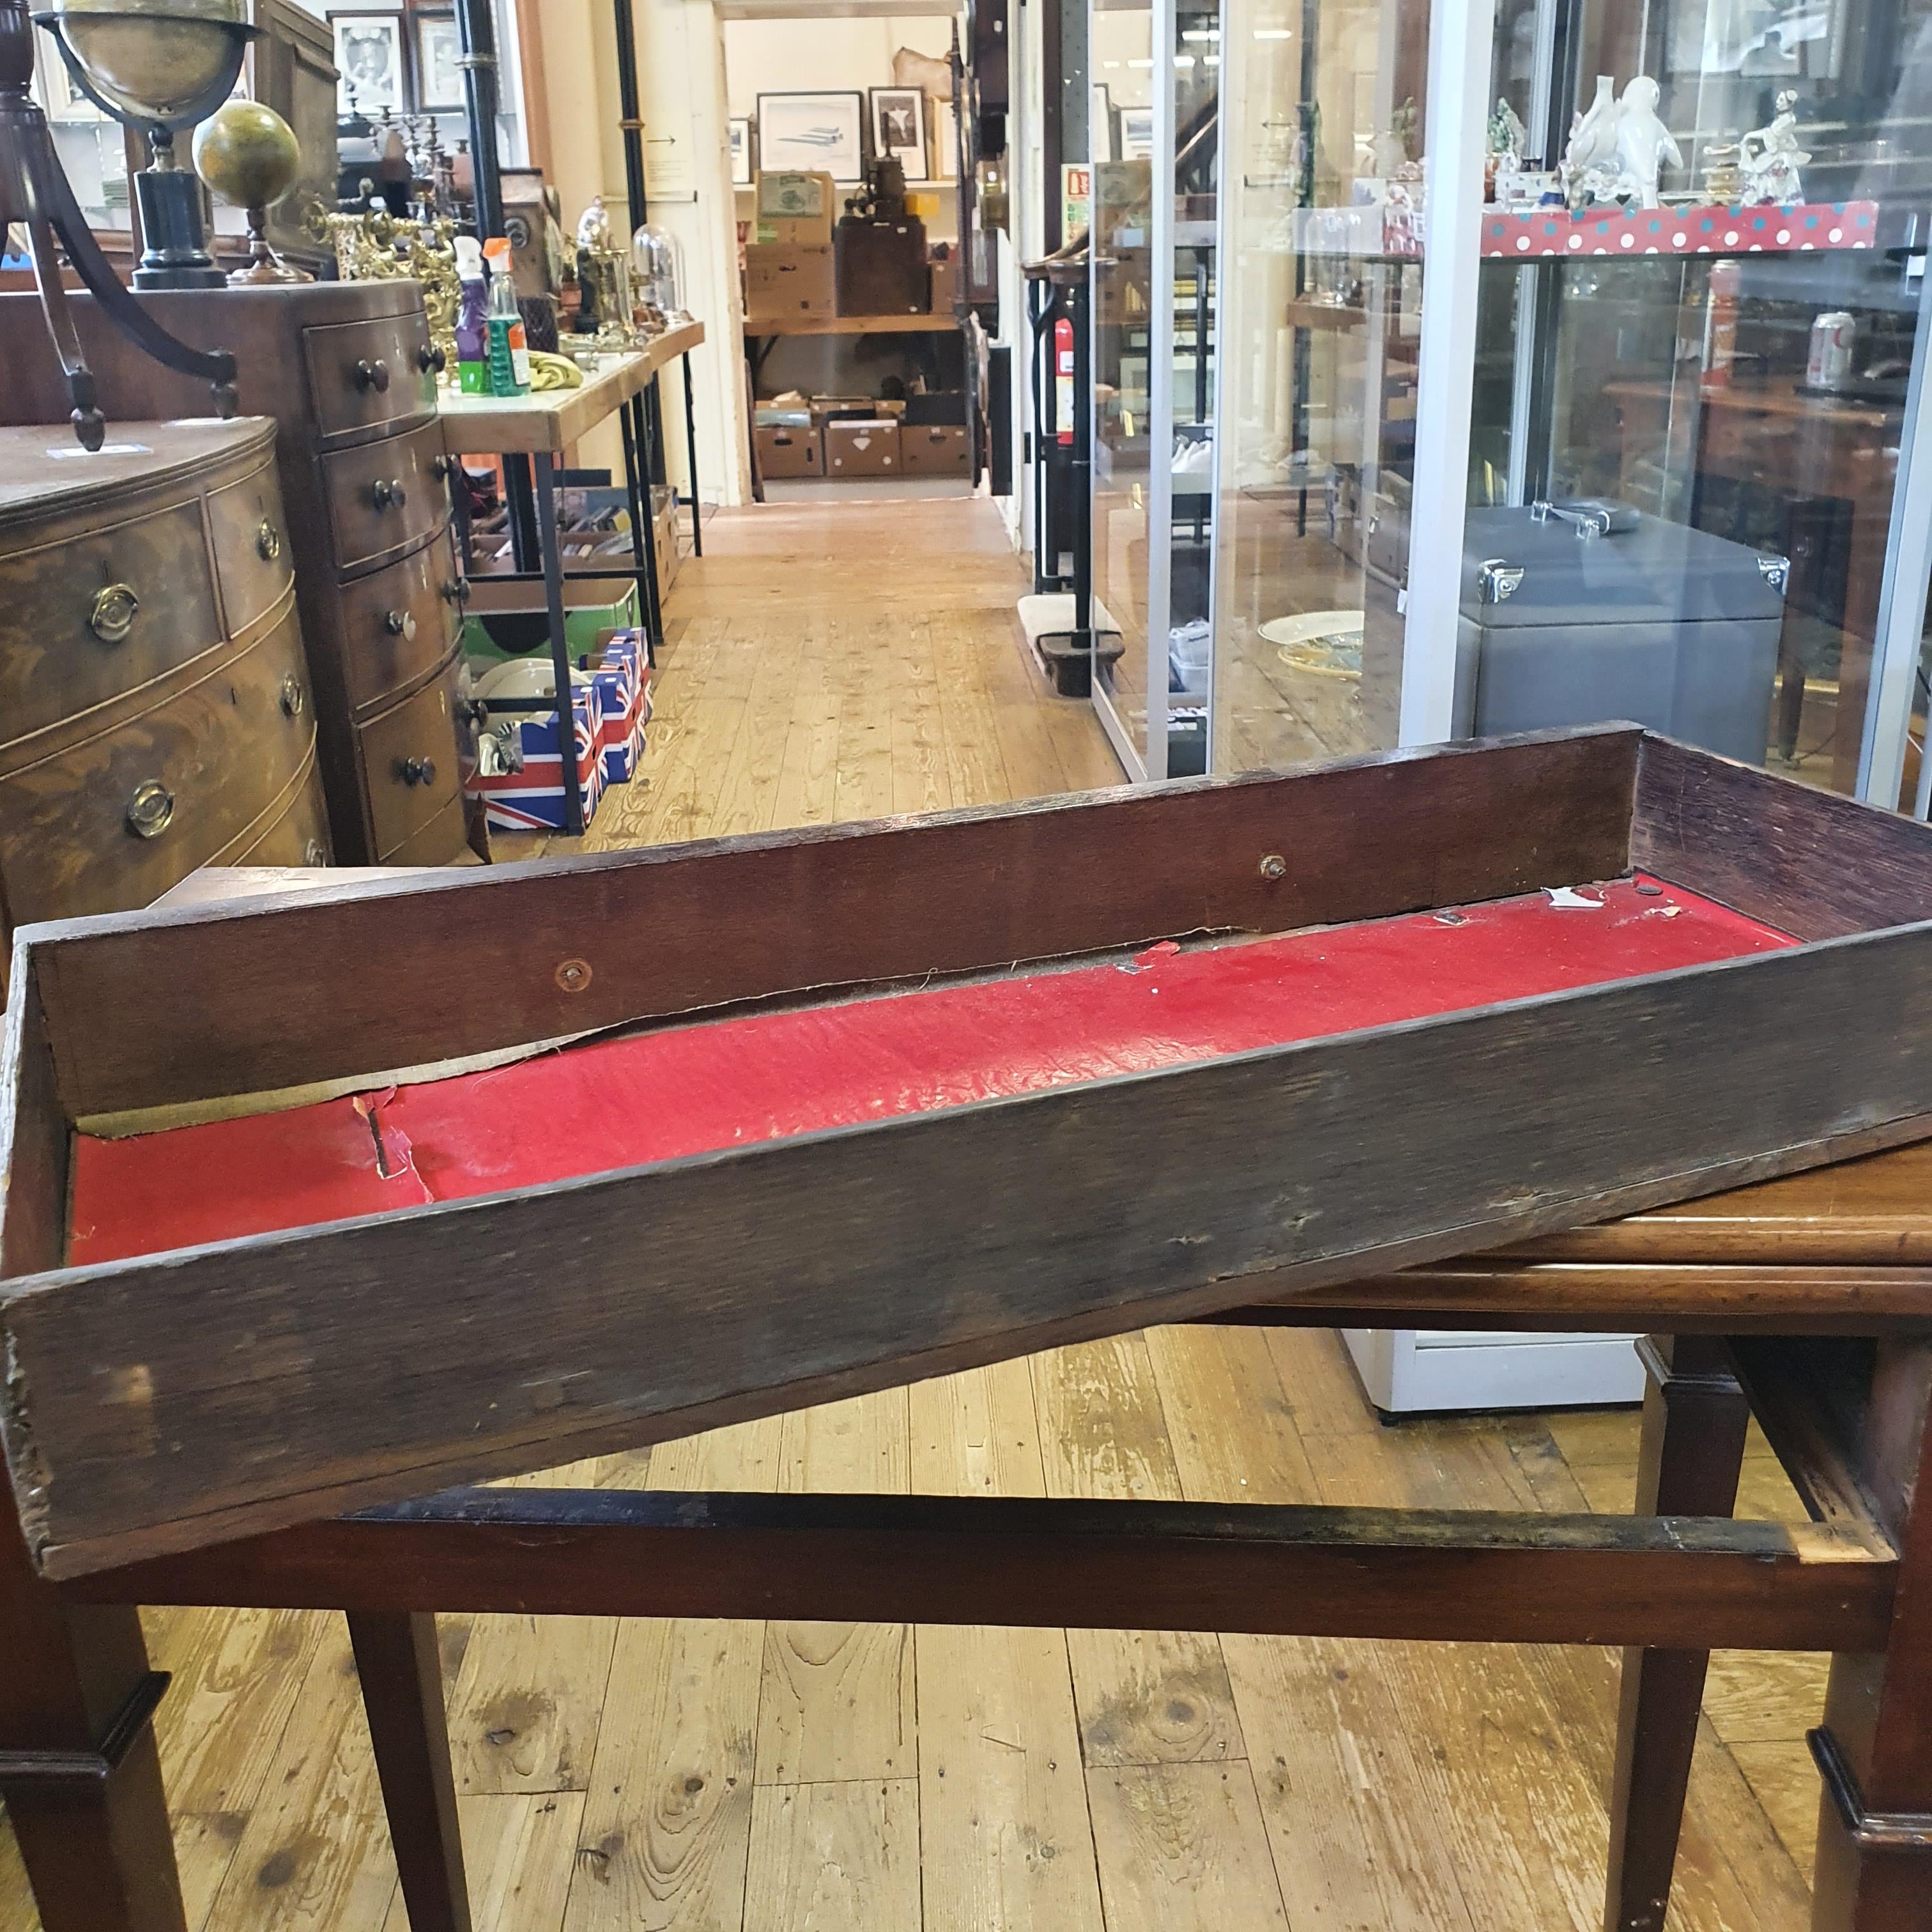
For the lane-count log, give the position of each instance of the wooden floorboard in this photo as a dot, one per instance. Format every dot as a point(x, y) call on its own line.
point(694, 1776)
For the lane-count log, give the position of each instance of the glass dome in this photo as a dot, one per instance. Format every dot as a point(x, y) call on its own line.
point(657, 259)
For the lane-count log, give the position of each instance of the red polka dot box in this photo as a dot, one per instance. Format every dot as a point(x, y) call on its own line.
point(1682, 231)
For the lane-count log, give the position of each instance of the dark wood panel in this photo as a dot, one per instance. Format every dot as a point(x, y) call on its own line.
point(1469, 1575)
point(666, 930)
point(367, 375)
point(220, 750)
point(411, 776)
point(386, 497)
point(75, 643)
point(388, 1357)
point(253, 551)
point(1818, 865)
point(398, 624)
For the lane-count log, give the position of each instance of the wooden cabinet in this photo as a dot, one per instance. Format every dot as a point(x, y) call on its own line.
point(348, 371)
point(155, 709)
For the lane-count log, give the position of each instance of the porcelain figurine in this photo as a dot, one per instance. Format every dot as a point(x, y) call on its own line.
point(1643, 143)
point(1769, 158)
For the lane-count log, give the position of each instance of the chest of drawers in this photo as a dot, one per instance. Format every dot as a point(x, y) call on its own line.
point(347, 370)
point(156, 713)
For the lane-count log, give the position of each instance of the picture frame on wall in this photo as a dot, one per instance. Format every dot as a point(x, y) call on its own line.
point(823, 133)
point(740, 144)
point(372, 61)
point(438, 52)
point(1136, 134)
point(899, 128)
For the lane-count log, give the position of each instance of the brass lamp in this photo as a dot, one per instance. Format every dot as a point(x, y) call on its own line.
point(157, 66)
point(34, 191)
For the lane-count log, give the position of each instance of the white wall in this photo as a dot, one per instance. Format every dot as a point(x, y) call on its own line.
point(794, 56)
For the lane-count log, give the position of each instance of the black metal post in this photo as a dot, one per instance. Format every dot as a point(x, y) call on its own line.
point(691, 458)
point(1080, 469)
point(476, 35)
point(631, 112)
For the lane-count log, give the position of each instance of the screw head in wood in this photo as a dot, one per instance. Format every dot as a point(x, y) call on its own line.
point(573, 975)
point(1274, 866)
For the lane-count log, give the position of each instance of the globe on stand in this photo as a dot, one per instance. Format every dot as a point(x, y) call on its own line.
point(248, 154)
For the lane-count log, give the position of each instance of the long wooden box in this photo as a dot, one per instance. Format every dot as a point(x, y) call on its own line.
point(174, 1400)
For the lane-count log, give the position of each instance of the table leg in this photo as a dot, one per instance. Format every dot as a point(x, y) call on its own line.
point(691, 458)
point(401, 1677)
point(550, 545)
point(1874, 1868)
point(1694, 1416)
point(96, 1847)
point(519, 507)
point(644, 530)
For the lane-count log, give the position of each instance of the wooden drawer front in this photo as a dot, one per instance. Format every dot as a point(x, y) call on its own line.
point(387, 496)
point(195, 772)
point(399, 623)
point(364, 374)
point(443, 840)
point(88, 619)
point(251, 548)
point(300, 837)
point(409, 756)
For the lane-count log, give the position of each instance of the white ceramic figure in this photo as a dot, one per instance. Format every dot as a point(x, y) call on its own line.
point(1643, 143)
point(1770, 157)
point(1593, 133)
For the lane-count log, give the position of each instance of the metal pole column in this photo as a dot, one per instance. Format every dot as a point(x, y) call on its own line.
point(691, 459)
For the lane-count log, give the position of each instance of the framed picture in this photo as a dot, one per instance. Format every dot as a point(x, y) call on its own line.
point(1136, 134)
point(372, 62)
point(438, 75)
point(899, 128)
point(741, 151)
point(822, 132)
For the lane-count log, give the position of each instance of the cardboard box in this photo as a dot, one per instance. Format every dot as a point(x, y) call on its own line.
point(622, 675)
point(519, 770)
point(796, 210)
point(869, 449)
point(933, 449)
point(783, 282)
point(785, 450)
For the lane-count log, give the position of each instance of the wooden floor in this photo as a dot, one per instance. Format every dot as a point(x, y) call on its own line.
point(831, 663)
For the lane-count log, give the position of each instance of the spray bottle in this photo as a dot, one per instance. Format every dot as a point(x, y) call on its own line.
point(509, 352)
point(473, 320)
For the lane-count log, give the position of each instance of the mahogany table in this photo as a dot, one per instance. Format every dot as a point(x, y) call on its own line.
point(1807, 1300)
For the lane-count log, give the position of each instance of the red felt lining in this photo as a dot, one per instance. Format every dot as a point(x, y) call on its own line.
point(693, 1088)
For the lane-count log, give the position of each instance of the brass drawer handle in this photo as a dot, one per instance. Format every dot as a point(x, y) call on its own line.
point(293, 699)
point(387, 493)
point(115, 608)
point(151, 809)
point(267, 541)
point(430, 359)
point(416, 771)
point(373, 375)
point(400, 624)
point(315, 853)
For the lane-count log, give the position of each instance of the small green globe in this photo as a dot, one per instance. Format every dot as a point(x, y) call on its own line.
point(247, 154)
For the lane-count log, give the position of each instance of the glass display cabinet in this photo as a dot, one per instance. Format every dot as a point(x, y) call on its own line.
point(1540, 361)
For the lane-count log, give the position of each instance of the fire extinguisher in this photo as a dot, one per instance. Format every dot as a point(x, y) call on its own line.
point(1063, 379)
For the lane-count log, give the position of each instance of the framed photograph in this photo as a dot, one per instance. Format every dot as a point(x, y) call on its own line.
point(824, 133)
point(899, 128)
point(438, 76)
point(371, 62)
point(1136, 134)
point(741, 151)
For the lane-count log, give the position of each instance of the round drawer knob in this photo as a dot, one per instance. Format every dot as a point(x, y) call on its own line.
point(456, 591)
point(115, 608)
point(431, 359)
point(400, 624)
point(443, 468)
point(372, 375)
point(151, 809)
point(293, 699)
point(416, 771)
point(387, 493)
point(315, 853)
point(267, 541)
